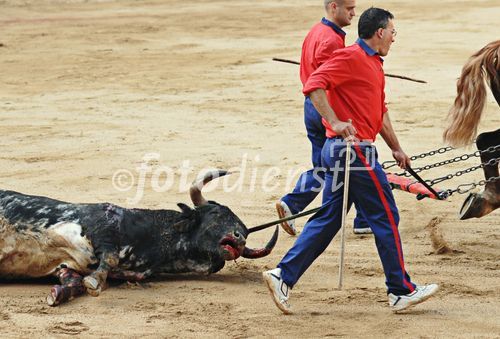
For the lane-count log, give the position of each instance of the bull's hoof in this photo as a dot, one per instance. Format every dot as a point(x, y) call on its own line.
point(476, 206)
point(92, 285)
point(55, 296)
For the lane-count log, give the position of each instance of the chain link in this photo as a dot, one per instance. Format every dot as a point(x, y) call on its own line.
point(456, 159)
point(492, 162)
point(392, 163)
point(461, 189)
point(441, 163)
point(469, 187)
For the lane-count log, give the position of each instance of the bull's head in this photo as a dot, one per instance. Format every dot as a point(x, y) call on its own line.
point(221, 231)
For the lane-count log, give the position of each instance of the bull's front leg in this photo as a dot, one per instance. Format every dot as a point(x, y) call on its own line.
point(104, 236)
point(96, 281)
point(71, 287)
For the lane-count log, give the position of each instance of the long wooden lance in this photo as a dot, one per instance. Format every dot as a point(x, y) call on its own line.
point(386, 74)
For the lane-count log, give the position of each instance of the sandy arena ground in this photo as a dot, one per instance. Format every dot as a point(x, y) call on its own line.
point(89, 88)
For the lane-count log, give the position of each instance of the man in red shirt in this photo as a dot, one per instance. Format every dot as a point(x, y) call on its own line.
point(322, 40)
point(354, 109)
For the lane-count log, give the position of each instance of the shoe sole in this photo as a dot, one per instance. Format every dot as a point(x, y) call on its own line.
point(368, 231)
point(269, 284)
point(281, 214)
point(417, 302)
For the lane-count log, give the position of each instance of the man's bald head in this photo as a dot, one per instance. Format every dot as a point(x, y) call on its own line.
point(328, 2)
point(340, 12)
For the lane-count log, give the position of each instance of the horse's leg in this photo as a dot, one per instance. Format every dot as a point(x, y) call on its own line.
point(71, 287)
point(479, 204)
point(484, 141)
point(495, 87)
point(492, 189)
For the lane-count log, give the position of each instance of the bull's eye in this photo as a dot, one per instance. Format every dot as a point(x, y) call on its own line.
point(236, 234)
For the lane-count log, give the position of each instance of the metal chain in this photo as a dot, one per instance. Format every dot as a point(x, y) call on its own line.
point(461, 190)
point(441, 163)
point(392, 163)
point(459, 158)
point(492, 162)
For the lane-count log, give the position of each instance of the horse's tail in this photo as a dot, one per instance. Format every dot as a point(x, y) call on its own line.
point(465, 114)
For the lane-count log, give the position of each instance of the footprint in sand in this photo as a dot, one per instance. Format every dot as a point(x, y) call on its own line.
point(69, 328)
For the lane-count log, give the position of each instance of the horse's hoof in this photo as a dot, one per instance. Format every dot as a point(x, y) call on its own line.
point(55, 296)
point(92, 285)
point(475, 206)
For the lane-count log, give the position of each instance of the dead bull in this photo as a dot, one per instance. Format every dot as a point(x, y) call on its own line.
point(84, 244)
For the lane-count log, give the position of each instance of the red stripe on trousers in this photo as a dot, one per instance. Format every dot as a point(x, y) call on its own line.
point(394, 227)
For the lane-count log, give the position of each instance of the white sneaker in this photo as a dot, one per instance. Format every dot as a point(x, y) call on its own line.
point(284, 212)
point(365, 230)
point(278, 288)
point(421, 294)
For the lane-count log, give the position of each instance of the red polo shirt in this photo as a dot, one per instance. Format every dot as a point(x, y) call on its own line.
point(322, 40)
point(354, 81)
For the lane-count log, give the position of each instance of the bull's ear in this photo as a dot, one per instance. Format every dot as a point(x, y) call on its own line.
point(188, 219)
point(185, 208)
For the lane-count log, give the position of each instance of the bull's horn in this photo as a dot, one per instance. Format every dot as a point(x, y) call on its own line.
point(261, 252)
point(197, 186)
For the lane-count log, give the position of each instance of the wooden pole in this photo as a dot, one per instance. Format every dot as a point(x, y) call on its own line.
point(386, 74)
point(344, 212)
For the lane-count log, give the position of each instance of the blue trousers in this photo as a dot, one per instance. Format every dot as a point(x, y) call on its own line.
point(311, 182)
point(370, 190)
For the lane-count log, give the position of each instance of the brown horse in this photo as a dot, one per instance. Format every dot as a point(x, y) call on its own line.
point(464, 116)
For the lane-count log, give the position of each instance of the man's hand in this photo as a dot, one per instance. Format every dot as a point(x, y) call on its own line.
point(402, 159)
point(341, 128)
point(346, 130)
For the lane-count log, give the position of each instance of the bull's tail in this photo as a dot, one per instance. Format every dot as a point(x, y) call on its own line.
point(465, 114)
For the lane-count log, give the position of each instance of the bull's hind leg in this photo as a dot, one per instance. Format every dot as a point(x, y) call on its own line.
point(71, 287)
point(479, 204)
point(96, 281)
